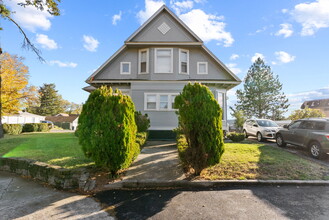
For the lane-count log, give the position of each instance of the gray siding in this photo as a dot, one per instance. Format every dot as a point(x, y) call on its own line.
point(177, 33)
point(162, 120)
point(215, 71)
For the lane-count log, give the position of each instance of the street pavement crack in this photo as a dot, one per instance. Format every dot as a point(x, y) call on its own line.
point(6, 189)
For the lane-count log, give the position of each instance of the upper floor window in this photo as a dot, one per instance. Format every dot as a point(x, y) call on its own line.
point(202, 67)
point(183, 61)
point(163, 60)
point(143, 61)
point(125, 68)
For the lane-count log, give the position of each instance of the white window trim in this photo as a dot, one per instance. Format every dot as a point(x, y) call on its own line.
point(155, 59)
point(199, 68)
point(139, 61)
point(170, 109)
point(121, 68)
point(188, 61)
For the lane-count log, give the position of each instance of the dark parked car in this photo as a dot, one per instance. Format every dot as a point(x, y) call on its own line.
point(312, 134)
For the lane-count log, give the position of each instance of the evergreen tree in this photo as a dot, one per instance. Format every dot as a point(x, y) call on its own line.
point(50, 101)
point(261, 96)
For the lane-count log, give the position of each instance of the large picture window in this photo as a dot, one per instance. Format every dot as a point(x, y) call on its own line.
point(163, 60)
point(143, 61)
point(183, 61)
point(159, 101)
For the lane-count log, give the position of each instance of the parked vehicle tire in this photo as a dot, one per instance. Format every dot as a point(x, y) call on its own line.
point(259, 137)
point(245, 134)
point(279, 141)
point(316, 150)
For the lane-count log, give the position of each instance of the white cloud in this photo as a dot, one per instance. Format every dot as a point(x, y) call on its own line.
point(234, 56)
point(90, 43)
point(29, 17)
point(207, 26)
point(181, 6)
point(286, 30)
point(284, 10)
point(116, 18)
point(312, 16)
point(62, 64)
point(150, 8)
point(233, 68)
point(283, 57)
point(256, 56)
point(46, 42)
point(297, 99)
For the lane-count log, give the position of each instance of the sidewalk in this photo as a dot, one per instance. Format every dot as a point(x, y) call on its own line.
point(24, 199)
point(157, 161)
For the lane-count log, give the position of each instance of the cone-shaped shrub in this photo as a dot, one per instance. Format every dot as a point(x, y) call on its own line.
point(200, 121)
point(107, 129)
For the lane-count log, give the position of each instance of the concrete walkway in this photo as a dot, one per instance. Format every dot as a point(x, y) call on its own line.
point(24, 199)
point(157, 161)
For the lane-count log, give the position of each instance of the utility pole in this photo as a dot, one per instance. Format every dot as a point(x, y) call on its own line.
point(1, 127)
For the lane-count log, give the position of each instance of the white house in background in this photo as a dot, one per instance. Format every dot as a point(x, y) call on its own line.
point(22, 118)
point(66, 121)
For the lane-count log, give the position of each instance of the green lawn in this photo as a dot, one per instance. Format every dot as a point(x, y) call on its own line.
point(61, 149)
point(260, 161)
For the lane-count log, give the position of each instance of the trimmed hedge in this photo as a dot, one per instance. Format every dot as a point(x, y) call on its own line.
point(107, 129)
point(13, 129)
point(236, 137)
point(200, 121)
point(141, 138)
point(142, 121)
point(35, 127)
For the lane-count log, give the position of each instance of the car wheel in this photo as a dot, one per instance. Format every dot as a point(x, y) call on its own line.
point(245, 134)
point(259, 137)
point(279, 141)
point(316, 150)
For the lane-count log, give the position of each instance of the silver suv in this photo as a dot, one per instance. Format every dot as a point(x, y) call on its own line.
point(312, 134)
point(260, 128)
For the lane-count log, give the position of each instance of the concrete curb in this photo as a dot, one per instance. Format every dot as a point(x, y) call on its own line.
point(151, 184)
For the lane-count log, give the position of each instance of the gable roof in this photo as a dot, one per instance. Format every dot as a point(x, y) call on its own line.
point(162, 9)
point(158, 12)
point(69, 118)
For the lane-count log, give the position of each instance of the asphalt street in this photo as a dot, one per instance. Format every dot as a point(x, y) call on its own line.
point(261, 202)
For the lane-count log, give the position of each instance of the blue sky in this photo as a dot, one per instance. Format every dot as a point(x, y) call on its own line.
point(291, 35)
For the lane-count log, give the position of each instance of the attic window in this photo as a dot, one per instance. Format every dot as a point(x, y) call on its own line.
point(164, 28)
point(125, 68)
point(202, 67)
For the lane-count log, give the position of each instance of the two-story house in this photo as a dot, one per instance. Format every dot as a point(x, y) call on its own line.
point(154, 65)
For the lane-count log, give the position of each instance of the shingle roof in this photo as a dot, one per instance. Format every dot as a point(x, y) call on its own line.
point(69, 118)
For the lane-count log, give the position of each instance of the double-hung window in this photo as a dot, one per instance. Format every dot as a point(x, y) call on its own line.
point(163, 60)
point(159, 101)
point(183, 61)
point(143, 57)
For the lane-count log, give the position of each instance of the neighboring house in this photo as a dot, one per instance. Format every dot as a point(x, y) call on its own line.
point(65, 121)
point(321, 104)
point(154, 65)
point(22, 118)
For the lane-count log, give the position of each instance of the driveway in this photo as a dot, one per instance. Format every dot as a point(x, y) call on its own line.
point(24, 199)
point(262, 202)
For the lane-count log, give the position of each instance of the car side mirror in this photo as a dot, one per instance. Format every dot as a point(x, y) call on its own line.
point(255, 125)
point(285, 126)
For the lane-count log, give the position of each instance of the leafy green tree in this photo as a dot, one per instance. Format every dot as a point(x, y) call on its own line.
point(50, 101)
point(107, 129)
point(306, 113)
point(261, 95)
point(200, 120)
point(240, 118)
point(50, 5)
